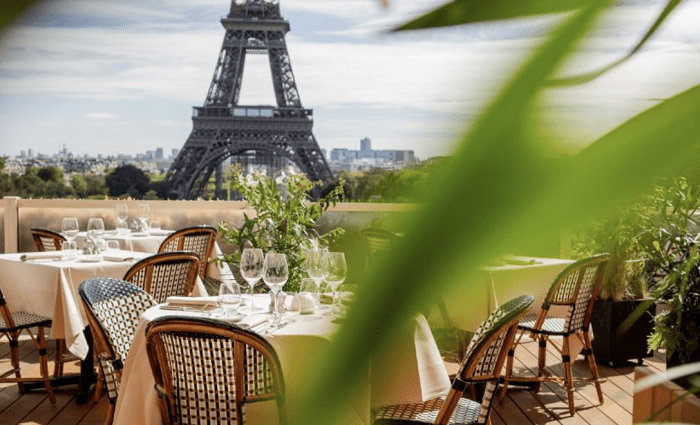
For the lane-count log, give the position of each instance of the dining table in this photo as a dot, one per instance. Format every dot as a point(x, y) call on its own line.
point(411, 371)
point(146, 241)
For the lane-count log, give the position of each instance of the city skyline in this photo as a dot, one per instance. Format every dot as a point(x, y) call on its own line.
point(109, 77)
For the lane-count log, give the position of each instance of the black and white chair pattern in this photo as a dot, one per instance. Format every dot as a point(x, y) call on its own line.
point(166, 274)
point(12, 324)
point(197, 239)
point(207, 371)
point(575, 291)
point(482, 364)
point(113, 308)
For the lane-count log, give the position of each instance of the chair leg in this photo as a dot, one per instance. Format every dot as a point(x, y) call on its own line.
point(58, 357)
point(592, 365)
point(14, 357)
point(541, 360)
point(509, 372)
point(110, 413)
point(44, 358)
point(568, 374)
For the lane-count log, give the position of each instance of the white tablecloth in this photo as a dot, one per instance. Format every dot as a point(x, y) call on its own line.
point(411, 372)
point(140, 242)
point(51, 289)
point(468, 305)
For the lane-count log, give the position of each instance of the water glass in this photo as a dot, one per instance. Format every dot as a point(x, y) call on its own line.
point(69, 250)
point(229, 299)
point(123, 227)
point(122, 212)
point(337, 271)
point(112, 245)
point(143, 212)
point(95, 228)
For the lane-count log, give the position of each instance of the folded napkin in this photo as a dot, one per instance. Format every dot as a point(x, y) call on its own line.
point(192, 302)
point(118, 256)
point(303, 302)
point(48, 255)
point(253, 321)
point(159, 232)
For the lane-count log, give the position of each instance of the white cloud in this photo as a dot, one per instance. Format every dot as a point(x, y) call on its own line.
point(109, 116)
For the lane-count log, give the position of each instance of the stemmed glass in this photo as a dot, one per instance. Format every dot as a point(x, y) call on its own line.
point(275, 274)
point(316, 265)
point(142, 212)
point(229, 299)
point(69, 228)
point(252, 270)
point(337, 270)
point(122, 215)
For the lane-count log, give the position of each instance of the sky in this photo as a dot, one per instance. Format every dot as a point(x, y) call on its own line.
point(109, 77)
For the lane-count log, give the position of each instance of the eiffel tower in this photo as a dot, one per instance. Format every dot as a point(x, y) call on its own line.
point(251, 135)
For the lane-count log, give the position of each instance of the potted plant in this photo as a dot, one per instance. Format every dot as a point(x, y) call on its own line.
point(671, 242)
point(622, 318)
point(285, 217)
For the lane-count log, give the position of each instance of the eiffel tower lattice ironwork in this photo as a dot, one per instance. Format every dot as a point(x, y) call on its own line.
point(264, 135)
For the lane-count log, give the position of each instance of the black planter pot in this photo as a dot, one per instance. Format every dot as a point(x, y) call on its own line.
point(610, 344)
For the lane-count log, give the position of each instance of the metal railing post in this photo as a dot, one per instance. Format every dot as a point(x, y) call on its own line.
point(11, 223)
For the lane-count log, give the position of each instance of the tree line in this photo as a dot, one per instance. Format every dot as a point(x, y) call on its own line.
point(376, 185)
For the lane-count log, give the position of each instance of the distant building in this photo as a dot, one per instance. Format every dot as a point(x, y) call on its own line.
point(367, 158)
point(159, 153)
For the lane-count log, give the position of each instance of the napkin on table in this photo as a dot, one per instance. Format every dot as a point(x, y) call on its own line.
point(118, 256)
point(194, 302)
point(47, 255)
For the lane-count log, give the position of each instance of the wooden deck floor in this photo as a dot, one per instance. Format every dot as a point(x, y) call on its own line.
point(520, 407)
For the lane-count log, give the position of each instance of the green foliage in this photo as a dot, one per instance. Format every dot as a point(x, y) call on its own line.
point(127, 180)
point(50, 174)
point(671, 244)
point(284, 221)
point(617, 235)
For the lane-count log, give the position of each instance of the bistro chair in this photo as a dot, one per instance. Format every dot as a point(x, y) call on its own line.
point(574, 290)
point(378, 242)
point(47, 240)
point(12, 324)
point(207, 371)
point(482, 364)
point(113, 307)
point(166, 274)
point(197, 239)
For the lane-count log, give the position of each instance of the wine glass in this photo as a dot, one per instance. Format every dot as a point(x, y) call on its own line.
point(252, 270)
point(95, 228)
point(122, 212)
point(142, 212)
point(316, 265)
point(337, 270)
point(275, 274)
point(229, 299)
point(69, 228)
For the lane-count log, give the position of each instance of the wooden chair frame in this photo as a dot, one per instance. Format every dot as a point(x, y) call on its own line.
point(47, 240)
point(569, 290)
point(203, 328)
point(153, 274)
point(179, 241)
point(111, 324)
point(13, 324)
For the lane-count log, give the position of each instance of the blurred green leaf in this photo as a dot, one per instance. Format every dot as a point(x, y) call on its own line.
point(590, 76)
point(10, 9)
point(460, 12)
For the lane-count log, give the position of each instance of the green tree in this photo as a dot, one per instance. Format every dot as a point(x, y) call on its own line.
point(50, 174)
point(79, 185)
point(127, 180)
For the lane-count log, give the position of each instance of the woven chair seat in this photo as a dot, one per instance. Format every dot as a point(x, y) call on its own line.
point(550, 326)
point(466, 412)
point(24, 320)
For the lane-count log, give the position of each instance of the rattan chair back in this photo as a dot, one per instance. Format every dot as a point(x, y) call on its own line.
point(207, 371)
point(378, 243)
point(47, 240)
point(197, 239)
point(166, 274)
point(482, 364)
point(576, 288)
point(113, 308)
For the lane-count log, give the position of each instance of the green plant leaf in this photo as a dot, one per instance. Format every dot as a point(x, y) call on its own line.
point(590, 76)
point(460, 12)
